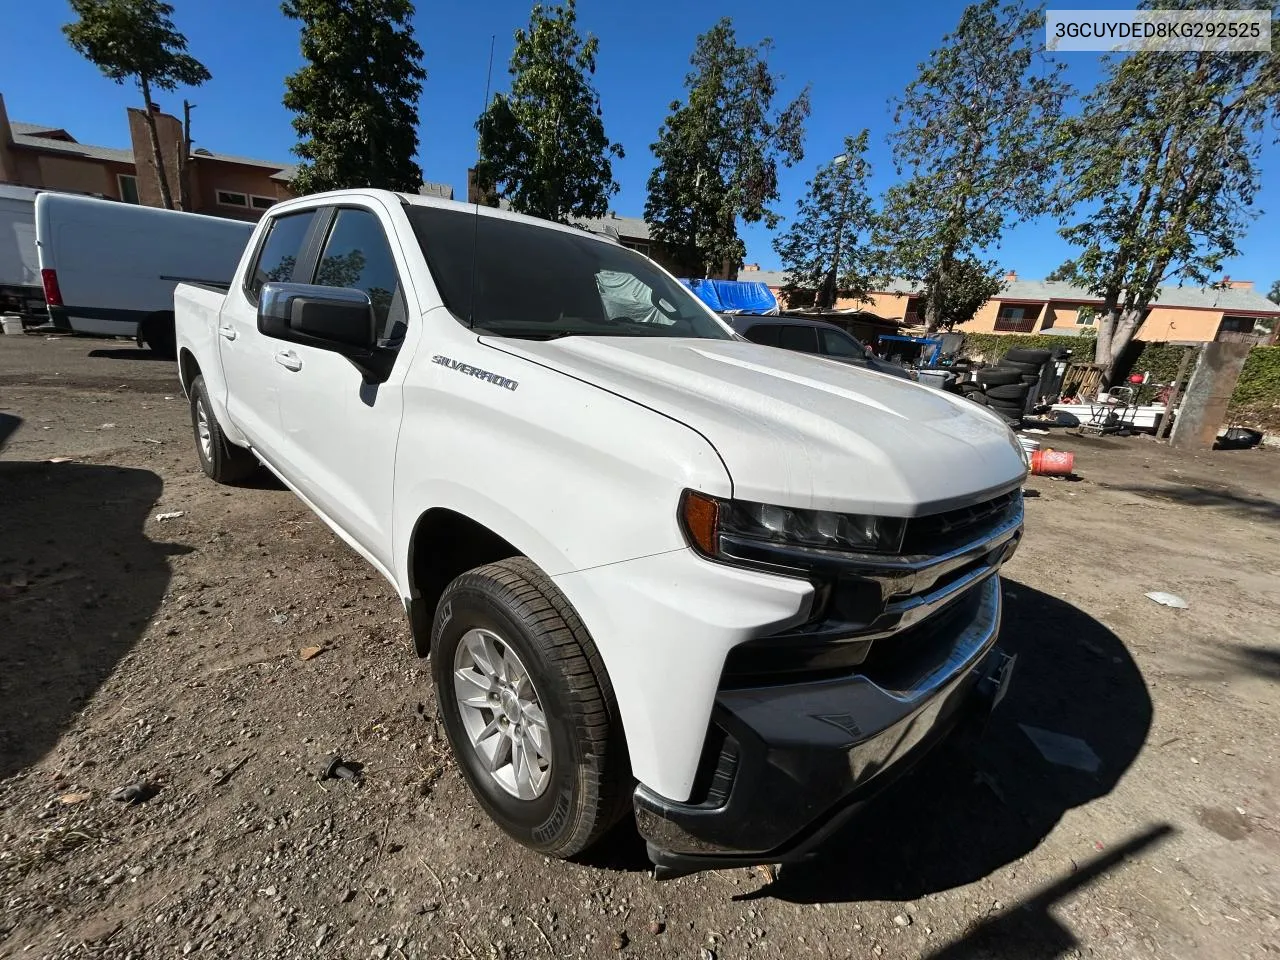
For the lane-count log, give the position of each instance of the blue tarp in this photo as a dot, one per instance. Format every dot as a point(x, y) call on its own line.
point(737, 296)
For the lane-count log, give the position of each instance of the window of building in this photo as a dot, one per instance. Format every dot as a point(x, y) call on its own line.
point(1013, 319)
point(1237, 325)
point(1086, 316)
point(128, 187)
point(636, 245)
point(230, 198)
point(279, 252)
point(261, 203)
point(357, 255)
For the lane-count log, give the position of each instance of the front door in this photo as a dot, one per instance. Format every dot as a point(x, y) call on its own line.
point(340, 431)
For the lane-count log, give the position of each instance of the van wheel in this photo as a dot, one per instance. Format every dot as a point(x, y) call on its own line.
point(158, 333)
point(528, 708)
point(221, 460)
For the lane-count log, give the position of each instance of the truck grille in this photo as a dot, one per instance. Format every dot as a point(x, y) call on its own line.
point(884, 615)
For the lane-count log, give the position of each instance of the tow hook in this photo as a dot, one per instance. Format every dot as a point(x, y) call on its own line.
point(996, 683)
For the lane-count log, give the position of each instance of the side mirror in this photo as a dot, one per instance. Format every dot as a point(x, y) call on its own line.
point(340, 319)
point(333, 317)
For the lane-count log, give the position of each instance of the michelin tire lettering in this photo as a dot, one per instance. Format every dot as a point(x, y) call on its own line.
point(496, 379)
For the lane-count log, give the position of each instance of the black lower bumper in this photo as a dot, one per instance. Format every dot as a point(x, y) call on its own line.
point(791, 764)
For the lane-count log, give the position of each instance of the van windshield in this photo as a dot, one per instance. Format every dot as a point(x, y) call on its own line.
point(537, 283)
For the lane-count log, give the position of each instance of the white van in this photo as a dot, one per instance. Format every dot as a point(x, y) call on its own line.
point(110, 267)
point(19, 267)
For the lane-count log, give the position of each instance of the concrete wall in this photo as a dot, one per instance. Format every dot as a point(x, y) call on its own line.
point(1203, 410)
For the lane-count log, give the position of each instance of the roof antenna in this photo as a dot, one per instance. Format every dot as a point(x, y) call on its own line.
point(475, 233)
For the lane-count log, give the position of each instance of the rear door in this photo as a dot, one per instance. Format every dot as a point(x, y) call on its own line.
point(251, 363)
point(340, 431)
point(838, 345)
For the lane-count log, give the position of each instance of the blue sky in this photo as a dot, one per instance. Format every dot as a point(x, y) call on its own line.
point(856, 55)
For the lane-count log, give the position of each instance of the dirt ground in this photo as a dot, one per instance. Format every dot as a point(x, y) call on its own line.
point(167, 651)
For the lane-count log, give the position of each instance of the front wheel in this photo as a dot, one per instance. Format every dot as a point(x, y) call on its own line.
point(528, 708)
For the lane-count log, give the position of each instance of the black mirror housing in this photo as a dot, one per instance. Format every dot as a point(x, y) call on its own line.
point(340, 319)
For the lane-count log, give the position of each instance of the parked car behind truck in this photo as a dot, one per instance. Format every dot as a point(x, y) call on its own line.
point(657, 568)
point(110, 268)
point(19, 269)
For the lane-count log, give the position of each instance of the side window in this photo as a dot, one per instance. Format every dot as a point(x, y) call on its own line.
point(836, 344)
point(765, 333)
point(279, 252)
point(798, 338)
point(357, 255)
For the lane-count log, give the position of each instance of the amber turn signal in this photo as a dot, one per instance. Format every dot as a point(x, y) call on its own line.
point(700, 516)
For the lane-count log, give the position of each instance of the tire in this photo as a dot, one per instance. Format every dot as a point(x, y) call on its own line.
point(1012, 391)
point(158, 333)
point(996, 377)
point(512, 608)
point(220, 459)
point(1022, 355)
point(977, 397)
point(1026, 369)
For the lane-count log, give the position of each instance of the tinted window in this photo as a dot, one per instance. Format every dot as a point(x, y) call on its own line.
point(838, 344)
point(798, 338)
point(516, 279)
point(279, 253)
point(357, 255)
point(766, 333)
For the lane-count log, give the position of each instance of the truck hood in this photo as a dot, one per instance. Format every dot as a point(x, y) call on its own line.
point(799, 430)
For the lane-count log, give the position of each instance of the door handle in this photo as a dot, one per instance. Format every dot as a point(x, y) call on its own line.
point(227, 332)
point(289, 360)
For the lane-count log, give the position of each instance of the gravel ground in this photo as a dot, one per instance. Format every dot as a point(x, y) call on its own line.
point(169, 652)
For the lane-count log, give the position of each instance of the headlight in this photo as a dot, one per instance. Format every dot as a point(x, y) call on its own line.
point(706, 519)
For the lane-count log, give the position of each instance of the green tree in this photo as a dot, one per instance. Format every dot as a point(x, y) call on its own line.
point(1062, 273)
point(136, 40)
point(972, 138)
point(356, 99)
point(1274, 295)
point(1163, 156)
point(970, 284)
point(718, 154)
point(826, 249)
point(543, 145)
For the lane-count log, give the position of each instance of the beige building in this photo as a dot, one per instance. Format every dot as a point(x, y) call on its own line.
point(50, 158)
point(1230, 310)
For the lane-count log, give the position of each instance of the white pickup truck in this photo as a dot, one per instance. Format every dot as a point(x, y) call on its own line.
point(657, 567)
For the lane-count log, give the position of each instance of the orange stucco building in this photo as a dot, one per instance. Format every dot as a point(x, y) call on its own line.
point(1225, 311)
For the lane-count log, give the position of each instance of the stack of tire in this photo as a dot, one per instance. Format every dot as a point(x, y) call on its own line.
point(1005, 386)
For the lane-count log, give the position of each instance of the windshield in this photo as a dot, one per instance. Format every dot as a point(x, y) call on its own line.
point(538, 283)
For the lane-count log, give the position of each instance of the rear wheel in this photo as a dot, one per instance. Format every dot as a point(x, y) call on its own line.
point(221, 460)
point(157, 332)
point(528, 708)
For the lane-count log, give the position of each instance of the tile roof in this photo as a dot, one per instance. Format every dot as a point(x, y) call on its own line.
point(612, 225)
point(1230, 299)
point(68, 147)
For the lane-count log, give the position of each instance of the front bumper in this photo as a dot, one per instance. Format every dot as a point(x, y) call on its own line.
point(786, 765)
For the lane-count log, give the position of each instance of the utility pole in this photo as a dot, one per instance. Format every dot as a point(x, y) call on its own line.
point(184, 154)
point(827, 295)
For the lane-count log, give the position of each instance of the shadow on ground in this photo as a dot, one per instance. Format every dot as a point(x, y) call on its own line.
point(1247, 506)
point(131, 353)
point(959, 816)
point(79, 581)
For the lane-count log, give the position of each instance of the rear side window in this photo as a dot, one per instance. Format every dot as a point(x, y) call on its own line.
point(765, 333)
point(357, 255)
point(836, 344)
point(279, 253)
point(798, 338)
